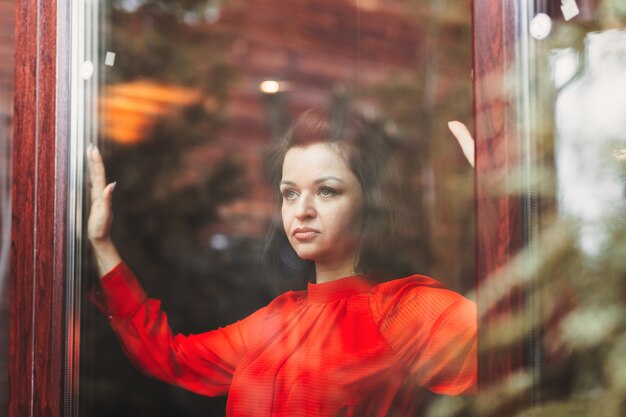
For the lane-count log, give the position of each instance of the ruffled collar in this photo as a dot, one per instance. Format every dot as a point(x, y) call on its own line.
point(339, 288)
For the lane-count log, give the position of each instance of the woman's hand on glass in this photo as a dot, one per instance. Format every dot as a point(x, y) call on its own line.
point(465, 139)
point(100, 213)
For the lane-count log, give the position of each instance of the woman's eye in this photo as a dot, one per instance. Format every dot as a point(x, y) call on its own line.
point(327, 192)
point(289, 194)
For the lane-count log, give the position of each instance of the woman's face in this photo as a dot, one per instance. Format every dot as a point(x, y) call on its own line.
point(322, 204)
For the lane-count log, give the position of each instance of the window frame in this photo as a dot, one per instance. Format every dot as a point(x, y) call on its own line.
point(38, 238)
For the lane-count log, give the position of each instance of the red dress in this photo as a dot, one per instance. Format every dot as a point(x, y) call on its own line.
point(342, 348)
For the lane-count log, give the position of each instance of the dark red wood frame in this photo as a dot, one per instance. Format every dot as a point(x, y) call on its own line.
point(36, 328)
point(37, 287)
point(499, 218)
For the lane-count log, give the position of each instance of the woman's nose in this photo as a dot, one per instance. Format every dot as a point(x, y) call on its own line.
point(304, 207)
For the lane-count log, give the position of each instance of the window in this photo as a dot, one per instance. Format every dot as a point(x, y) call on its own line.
point(184, 99)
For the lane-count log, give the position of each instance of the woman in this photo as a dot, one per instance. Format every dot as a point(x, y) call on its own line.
point(350, 345)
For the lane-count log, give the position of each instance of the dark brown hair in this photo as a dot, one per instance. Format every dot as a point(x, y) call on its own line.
point(368, 155)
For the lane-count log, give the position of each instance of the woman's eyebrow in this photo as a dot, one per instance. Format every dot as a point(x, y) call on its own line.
point(317, 181)
point(323, 179)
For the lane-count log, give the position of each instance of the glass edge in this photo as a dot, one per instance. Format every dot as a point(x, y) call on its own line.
point(83, 131)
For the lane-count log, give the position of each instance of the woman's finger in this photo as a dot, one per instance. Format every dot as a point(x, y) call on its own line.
point(107, 193)
point(465, 139)
point(97, 176)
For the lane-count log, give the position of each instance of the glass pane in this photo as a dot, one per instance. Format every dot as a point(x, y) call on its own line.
point(7, 27)
point(185, 100)
point(586, 57)
point(570, 102)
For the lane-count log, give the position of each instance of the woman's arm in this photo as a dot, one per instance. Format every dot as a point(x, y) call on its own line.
point(433, 332)
point(202, 363)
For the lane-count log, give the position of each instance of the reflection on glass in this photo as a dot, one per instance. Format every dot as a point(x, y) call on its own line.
point(570, 276)
point(590, 129)
point(198, 93)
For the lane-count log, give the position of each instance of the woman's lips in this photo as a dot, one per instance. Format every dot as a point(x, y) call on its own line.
point(305, 233)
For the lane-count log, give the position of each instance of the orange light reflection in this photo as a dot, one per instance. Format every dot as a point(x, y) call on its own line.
point(131, 109)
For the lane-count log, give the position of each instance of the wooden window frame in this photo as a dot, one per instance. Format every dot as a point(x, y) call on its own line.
point(39, 196)
point(500, 223)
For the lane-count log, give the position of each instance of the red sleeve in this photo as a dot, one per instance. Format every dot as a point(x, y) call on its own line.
point(202, 363)
point(433, 330)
